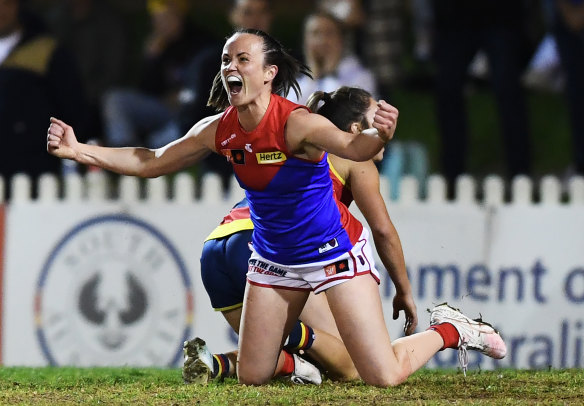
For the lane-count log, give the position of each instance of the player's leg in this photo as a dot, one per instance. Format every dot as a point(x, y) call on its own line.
point(351, 285)
point(365, 335)
point(328, 348)
point(201, 365)
point(234, 257)
point(268, 316)
point(298, 369)
point(223, 269)
point(225, 363)
point(317, 313)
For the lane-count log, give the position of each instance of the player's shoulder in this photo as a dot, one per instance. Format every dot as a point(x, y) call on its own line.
point(304, 117)
point(206, 125)
point(339, 166)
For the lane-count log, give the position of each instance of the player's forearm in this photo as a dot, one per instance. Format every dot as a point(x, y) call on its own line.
point(124, 161)
point(391, 255)
point(365, 145)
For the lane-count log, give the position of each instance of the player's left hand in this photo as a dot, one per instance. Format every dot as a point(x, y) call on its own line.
point(406, 303)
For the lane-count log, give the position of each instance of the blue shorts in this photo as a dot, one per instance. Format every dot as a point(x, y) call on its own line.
point(224, 264)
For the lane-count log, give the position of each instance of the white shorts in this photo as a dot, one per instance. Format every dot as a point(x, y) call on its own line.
point(316, 276)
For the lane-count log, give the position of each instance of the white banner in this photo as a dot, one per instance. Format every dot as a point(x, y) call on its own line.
point(521, 268)
point(103, 284)
point(109, 284)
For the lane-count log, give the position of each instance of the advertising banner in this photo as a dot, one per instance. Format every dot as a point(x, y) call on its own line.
point(96, 284)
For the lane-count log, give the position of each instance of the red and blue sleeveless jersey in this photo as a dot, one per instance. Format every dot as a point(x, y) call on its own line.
point(295, 216)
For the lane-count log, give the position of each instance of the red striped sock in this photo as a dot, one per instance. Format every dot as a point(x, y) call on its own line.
point(301, 337)
point(288, 366)
point(449, 334)
point(220, 365)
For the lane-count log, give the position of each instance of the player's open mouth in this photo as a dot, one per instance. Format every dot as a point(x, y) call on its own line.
point(234, 83)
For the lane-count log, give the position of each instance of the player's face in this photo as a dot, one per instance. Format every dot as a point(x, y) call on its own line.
point(369, 115)
point(242, 69)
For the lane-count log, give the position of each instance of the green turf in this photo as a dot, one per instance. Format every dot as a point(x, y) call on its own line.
point(61, 386)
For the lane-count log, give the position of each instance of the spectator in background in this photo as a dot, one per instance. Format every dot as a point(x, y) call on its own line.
point(334, 65)
point(568, 30)
point(256, 14)
point(422, 21)
point(38, 79)
point(461, 29)
point(94, 32)
point(383, 42)
point(331, 63)
point(352, 14)
point(148, 116)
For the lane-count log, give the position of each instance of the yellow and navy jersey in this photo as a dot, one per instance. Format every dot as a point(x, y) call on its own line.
point(342, 193)
point(237, 220)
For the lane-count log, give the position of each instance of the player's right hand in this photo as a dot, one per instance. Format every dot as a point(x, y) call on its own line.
point(61, 140)
point(385, 120)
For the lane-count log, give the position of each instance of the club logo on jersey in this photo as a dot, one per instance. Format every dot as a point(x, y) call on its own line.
point(236, 156)
point(270, 157)
point(337, 267)
point(248, 148)
point(328, 246)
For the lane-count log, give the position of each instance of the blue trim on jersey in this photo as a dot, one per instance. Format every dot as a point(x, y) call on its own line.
point(296, 214)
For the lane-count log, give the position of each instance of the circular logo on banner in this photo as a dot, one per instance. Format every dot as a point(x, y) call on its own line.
point(114, 292)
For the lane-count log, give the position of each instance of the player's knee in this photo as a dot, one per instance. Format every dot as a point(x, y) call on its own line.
point(386, 377)
point(252, 379)
point(348, 374)
point(251, 376)
point(388, 380)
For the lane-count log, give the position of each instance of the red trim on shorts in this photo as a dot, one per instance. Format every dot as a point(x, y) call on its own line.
point(375, 278)
point(265, 285)
point(349, 277)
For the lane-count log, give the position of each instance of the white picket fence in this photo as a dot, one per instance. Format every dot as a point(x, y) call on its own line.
point(181, 189)
point(518, 246)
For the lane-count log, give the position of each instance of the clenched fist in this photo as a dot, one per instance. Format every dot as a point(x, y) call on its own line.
point(61, 140)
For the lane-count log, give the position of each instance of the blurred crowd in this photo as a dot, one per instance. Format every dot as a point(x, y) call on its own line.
point(138, 72)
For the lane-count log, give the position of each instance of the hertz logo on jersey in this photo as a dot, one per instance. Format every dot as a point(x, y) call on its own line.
point(270, 157)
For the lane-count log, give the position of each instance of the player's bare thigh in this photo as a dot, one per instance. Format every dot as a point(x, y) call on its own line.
point(317, 314)
point(267, 318)
point(356, 306)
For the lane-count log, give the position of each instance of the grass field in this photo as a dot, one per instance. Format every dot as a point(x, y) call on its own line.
point(62, 386)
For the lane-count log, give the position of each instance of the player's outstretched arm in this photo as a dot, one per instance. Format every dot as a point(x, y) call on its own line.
point(135, 161)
